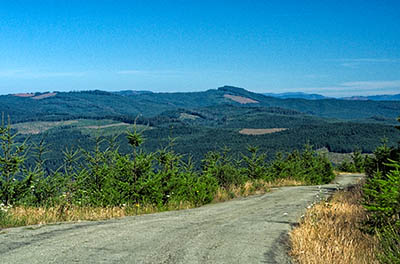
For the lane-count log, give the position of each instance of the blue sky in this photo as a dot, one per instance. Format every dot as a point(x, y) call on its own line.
point(335, 48)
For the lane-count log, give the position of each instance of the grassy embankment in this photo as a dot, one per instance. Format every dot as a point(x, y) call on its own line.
point(29, 215)
point(358, 225)
point(330, 232)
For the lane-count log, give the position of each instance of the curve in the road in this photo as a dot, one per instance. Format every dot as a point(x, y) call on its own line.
point(245, 230)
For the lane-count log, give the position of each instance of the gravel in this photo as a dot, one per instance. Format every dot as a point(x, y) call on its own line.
point(245, 230)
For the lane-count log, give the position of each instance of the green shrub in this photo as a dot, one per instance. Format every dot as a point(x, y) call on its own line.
point(224, 168)
point(104, 177)
point(188, 185)
point(381, 195)
point(12, 158)
point(347, 166)
point(379, 160)
point(357, 163)
point(307, 166)
point(389, 238)
point(255, 165)
point(3, 214)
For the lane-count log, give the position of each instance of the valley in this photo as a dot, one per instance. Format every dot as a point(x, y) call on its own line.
point(233, 117)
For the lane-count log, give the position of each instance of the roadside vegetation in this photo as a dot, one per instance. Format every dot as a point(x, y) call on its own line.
point(355, 164)
point(359, 225)
point(193, 127)
point(331, 232)
point(381, 199)
point(103, 183)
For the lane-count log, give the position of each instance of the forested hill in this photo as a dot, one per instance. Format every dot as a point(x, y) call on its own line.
point(100, 104)
point(301, 95)
point(296, 95)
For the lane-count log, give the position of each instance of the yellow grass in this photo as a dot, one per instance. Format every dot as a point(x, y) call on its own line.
point(329, 232)
point(40, 215)
point(251, 188)
point(285, 182)
point(23, 215)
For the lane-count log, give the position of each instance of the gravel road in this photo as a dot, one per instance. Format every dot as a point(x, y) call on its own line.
point(245, 230)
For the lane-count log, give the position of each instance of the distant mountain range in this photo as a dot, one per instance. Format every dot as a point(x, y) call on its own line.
point(201, 121)
point(298, 95)
point(99, 104)
point(307, 96)
point(385, 97)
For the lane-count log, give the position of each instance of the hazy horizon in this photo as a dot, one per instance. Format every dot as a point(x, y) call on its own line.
point(333, 48)
point(267, 92)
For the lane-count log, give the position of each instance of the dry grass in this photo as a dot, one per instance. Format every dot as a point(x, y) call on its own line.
point(40, 215)
point(22, 215)
point(329, 232)
point(285, 182)
point(251, 188)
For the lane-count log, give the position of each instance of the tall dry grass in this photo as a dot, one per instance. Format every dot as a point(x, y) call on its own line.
point(22, 215)
point(252, 188)
point(330, 232)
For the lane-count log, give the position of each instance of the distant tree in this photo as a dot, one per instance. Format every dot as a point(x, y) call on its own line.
point(12, 157)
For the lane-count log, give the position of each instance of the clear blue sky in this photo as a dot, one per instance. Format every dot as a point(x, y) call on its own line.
point(335, 48)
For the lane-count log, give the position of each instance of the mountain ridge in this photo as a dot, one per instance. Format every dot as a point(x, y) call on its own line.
point(93, 104)
point(313, 96)
point(298, 95)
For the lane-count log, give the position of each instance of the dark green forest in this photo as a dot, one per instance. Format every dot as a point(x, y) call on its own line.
point(201, 122)
point(197, 137)
point(100, 104)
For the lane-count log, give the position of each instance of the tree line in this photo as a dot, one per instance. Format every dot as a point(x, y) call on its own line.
point(104, 176)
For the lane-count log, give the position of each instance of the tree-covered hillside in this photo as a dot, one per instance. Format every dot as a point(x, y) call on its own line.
point(200, 121)
point(201, 130)
point(99, 104)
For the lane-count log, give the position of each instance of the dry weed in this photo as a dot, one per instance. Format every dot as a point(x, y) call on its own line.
point(251, 188)
point(329, 232)
point(23, 215)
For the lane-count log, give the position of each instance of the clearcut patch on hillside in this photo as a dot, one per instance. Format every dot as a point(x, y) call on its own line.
point(87, 126)
point(187, 116)
point(32, 95)
point(240, 99)
point(24, 95)
point(109, 125)
point(34, 128)
point(43, 96)
point(260, 131)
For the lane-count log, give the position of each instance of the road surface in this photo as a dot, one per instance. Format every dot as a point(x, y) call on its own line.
point(245, 230)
